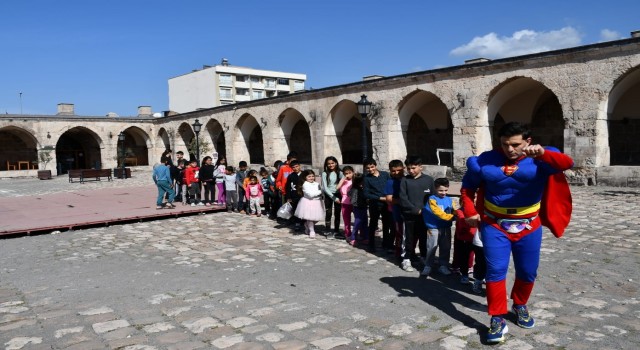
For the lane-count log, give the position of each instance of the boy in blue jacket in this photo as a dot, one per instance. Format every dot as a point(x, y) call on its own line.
point(438, 214)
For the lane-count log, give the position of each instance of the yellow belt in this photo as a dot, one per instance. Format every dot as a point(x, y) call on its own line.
point(532, 209)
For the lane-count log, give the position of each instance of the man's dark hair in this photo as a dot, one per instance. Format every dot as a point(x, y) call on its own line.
point(242, 163)
point(229, 169)
point(294, 162)
point(182, 161)
point(413, 160)
point(442, 181)
point(514, 129)
point(292, 154)
point(180, 152)
point(369, 161)
point(396, 163)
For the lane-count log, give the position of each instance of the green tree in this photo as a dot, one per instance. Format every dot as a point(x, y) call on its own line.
point(205, 146)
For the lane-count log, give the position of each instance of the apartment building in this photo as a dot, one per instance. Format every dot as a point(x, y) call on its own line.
point(225, 84)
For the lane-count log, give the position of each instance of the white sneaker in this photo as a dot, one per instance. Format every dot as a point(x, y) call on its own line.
point(312, 234)
point(193, 204)
point(444, 270)
point(406, 265)
point(426, 271)
point(200, 204)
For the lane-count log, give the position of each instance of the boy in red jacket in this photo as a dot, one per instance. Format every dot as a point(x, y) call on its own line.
point(466, 244)
point(192, 182)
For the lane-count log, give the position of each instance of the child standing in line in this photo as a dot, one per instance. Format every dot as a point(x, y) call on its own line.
point(253, 195)
point(231, 185)
point(193, 182)
point(463, 246)
point(310, 207)
point(344, 186)
point(359, 203)
point(266, 190)
point(392, 193)
point(276, 198)
point(467, 244)
point(219, 172)
point(245, 184)
point(291, 192)
point(207, 180)
point(438, 214)
point(181, 187)
point(241, 174)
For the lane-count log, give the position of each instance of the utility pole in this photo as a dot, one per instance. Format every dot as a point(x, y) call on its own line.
point(20, 102)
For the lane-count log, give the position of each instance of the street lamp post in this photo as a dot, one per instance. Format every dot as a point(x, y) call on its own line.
point(121, 138)
point(196, 128)
point(364, 107)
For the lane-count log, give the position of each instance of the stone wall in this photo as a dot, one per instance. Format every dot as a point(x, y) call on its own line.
point(563, 94)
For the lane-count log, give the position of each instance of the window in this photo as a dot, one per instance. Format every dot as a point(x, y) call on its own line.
point(271, 93)
point(242, 92)
point(257, 94)
point(282, 81)
point(298, 85)
point(241, 78)
point(270, 83)
point(225, 79)
point(226, 94)
point(255, 79)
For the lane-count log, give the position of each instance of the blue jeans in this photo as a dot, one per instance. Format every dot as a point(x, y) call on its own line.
point(164, 187)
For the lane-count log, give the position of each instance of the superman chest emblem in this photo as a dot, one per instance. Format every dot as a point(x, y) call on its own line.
point(508, 170)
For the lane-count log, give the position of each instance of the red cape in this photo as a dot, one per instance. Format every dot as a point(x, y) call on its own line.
point(556, 204)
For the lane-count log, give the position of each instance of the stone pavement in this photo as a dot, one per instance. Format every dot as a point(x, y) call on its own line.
point(229, 281)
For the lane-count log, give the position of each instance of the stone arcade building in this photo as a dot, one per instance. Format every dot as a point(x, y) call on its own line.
point(584, 100)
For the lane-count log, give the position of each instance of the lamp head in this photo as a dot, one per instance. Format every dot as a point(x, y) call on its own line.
point(364, 106)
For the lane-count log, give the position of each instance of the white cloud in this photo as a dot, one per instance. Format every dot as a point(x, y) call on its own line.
point(520, 43)
point(608, 35)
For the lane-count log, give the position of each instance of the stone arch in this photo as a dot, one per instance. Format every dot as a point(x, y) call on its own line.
point(137, 144)
point(297, 134)
point(623, 119)
point(426, 126)
point(528, 101)
point(250, 133)
point(78, 148)
point(163, 140)
point(18, 149)
point(186, 134)
point(344, 130)
point(216, 133)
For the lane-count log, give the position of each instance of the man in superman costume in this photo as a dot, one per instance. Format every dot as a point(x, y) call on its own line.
point(518, 188)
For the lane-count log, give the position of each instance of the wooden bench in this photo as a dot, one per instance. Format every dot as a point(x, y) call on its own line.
point(89, 174)
point(75, 174)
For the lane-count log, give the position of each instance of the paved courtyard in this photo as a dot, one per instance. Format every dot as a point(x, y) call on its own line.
point(228, 281)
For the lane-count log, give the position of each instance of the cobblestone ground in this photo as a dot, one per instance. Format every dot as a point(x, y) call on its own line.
point(228, 281)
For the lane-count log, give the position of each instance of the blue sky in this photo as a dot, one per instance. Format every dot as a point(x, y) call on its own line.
point(112, 56)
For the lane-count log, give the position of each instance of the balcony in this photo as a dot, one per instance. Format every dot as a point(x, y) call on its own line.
point(243, 84)
point(242, 98)
point(257, 86)
point(283, 87)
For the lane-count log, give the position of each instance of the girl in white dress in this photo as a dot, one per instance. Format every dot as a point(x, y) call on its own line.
point(310, 208)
